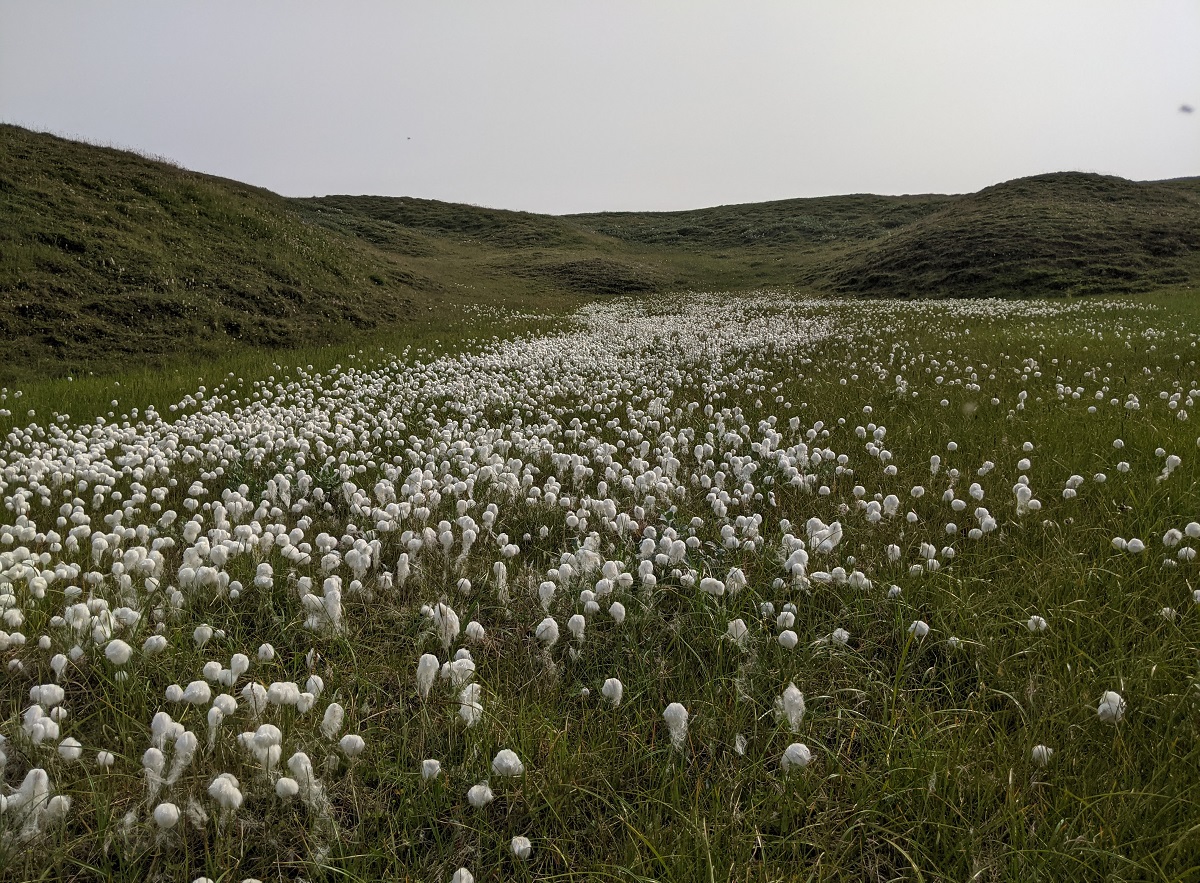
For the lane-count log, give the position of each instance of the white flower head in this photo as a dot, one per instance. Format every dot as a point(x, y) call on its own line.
point(506, 763)
point(480, 795)
point(790, 707)
point(676, 717)
point(1111, 708)
point(796, 755)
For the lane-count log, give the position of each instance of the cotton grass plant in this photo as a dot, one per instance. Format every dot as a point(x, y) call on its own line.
point(234, 639)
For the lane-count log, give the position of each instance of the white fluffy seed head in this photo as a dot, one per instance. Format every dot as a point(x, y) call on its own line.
point(796, 755)
point(506, 763)
point(676, 717)
point(166, 815)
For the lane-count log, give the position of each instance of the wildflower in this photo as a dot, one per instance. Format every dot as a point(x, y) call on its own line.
point(352, 745)
point(427, 669)
point(1041, 755)
point(166, 815)
point(521, 847)
point(480, 795)
point(788, 639)
point(470, 709)
point(1111, 708)
point(286, 787)
point(118, 652)
point(613, 689)
point(462, 875)
point(226, 791)
point(70, 749)
point(796, 754)
point(547, 632)
point(918, 629)
point(617, 611)
point(790, 707)
point(331, 723)
point(676, 717)
point(430, 768)
point(576, 625)
point(506, 763)
point(1037, 624)
point(737, 632)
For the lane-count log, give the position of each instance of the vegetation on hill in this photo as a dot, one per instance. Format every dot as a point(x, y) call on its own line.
point(1062, 233)
point(107, 256)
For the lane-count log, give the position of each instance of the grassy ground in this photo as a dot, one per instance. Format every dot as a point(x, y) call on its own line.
point(108, 258)
point(922, 749)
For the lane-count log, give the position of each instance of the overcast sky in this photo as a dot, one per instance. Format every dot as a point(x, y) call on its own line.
point(563, 106)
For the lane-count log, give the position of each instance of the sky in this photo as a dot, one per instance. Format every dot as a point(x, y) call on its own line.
point(563, 106)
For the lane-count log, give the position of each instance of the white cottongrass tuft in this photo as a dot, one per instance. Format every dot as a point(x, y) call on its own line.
point(918, 629)
point(166, 815)
point(480, 795)
point(796, 754)
point(118, 652)
point(331, 723)
point(1111, 708)
point(352, 745)
point(430, 768)
point(427, 670)
point(226, 791)
point(1041, 755)
point(676, 717)
point(470, 708)
point(613, 690)
point(790, 707)
point(506, 763)
point(521, 847)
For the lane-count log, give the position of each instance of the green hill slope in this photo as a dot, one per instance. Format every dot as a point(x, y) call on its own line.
point(1061, 233)
point(107, 256)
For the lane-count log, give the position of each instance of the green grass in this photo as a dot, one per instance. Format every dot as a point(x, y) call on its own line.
point(108, 258)
point(922, 767)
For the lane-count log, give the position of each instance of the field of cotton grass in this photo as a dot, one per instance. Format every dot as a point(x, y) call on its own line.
point(714, 588)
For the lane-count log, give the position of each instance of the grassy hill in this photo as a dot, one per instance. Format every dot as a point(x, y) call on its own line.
point(107, 256)
point(1062, 233)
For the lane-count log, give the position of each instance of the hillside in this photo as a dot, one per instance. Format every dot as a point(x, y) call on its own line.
point(107, 256)
point(1070, 233)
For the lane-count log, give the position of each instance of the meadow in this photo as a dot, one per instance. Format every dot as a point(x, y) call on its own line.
point(688, 587)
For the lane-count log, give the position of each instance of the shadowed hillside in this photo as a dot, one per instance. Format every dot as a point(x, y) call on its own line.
point(107, 256)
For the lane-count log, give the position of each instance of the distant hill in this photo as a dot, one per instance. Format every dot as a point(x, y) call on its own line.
point(108, 256)
point(1064, 233)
